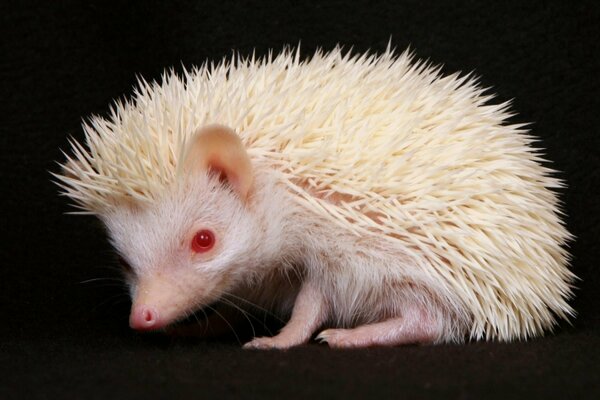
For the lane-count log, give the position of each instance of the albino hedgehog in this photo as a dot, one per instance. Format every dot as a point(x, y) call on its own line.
point(368, 195)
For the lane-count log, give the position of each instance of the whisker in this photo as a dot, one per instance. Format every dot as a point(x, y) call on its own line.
point(107, 285)
point(228, 324)
point(102, 279)
point(244, 313)
point(109, 298)
point(264, 310)
point(294, 268)
point(272, 306)
point(120, 300)
point(205, 324)
point(114, 268)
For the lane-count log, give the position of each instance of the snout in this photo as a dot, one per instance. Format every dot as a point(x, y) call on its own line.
point(159, 301)
point(145, 318)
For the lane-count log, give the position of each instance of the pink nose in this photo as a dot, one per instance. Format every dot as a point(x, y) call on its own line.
point(144, 318)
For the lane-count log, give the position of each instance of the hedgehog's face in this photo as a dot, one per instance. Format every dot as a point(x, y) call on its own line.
point(192, 245)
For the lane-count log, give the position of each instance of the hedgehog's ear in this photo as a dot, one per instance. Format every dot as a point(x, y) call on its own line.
point(218, 148)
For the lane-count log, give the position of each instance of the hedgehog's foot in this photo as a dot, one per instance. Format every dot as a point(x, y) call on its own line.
point(307, 315)
point(411, 329)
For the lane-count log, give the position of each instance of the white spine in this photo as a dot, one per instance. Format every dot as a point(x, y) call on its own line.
point(376, 145)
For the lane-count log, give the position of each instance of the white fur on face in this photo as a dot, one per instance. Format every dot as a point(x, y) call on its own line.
point(156, 242)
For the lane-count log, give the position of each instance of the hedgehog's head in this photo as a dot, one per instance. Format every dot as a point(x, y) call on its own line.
point(197, 241)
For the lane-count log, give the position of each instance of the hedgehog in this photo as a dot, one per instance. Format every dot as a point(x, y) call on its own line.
point(364, 199)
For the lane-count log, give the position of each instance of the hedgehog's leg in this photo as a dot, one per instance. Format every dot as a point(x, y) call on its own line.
point(307, 315)
point(415, 326)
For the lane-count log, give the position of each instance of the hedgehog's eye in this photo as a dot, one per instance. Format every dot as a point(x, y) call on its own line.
point(203, 241)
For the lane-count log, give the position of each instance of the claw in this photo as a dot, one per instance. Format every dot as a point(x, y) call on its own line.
point(323, 336)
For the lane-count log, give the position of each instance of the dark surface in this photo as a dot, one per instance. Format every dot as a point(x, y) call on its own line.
point(61, 338)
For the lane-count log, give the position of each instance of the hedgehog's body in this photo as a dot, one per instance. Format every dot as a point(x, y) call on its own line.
point(380, 191)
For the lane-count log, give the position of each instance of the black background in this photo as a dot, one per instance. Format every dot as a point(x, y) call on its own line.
point(61, 61)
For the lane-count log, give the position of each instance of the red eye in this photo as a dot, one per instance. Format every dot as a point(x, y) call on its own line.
point(203, 241)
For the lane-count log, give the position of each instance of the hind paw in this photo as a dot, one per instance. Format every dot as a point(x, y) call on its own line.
point(393, 332)
point(344, 338)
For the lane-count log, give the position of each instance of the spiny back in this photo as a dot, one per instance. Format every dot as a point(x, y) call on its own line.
point(377, 144)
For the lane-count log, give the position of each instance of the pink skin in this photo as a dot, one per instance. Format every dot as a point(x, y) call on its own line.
point(307, 315)
point(410, 329)
point(145, 318)
point(414, 327)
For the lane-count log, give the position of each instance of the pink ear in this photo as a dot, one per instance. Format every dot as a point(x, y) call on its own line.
point(218, 148)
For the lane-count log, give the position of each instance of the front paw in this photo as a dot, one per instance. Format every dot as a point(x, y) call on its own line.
point(270, 343)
